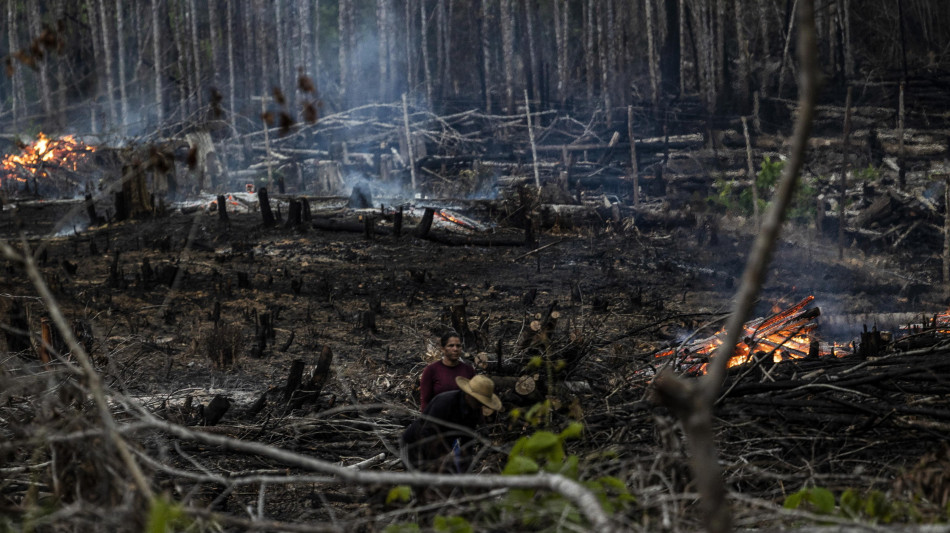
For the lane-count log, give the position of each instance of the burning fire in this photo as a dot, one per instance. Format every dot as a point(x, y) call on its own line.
point(786, 335)
point(449, 216)
point(65, 152)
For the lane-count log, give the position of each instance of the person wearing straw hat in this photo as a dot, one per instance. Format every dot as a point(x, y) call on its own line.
point(439, 439)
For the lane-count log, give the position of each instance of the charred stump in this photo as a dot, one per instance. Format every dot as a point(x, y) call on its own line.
point(266, 214)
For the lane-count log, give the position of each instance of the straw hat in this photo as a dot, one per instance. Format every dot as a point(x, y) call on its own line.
point(482, 388)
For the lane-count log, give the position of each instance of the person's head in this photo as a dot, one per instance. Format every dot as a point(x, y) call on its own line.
point(479, 391)
point(451, 348)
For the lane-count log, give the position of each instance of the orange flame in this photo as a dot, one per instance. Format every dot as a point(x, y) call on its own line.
point(786, 335)
point(45, 152)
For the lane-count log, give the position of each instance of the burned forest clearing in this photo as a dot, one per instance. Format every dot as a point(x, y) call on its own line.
point(295, 310)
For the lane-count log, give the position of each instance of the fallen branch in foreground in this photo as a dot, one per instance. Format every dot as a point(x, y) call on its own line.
point(585, 501)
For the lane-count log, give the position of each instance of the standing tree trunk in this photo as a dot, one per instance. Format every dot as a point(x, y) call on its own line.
point(60, 118)
point(42, 66)
point(281, 48)
point(157, 61)
point(195, 52)
point(602, 61)
point(441, 51)
point(485, 19)
point(107, 62)
point(589, 58)
point(18, 93)
point(508, 54)
point(534, 77)
point(213, 41)
point(123, 97)
point(424, 45)
point(343, 23)
point(181, 55)
point(386, 32)
point(652, 59)
point(845, 168)
point(232, 118)
point(744, 65)
point(560, 40)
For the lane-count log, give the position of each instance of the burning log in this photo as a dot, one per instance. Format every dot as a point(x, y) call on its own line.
point(785, 335)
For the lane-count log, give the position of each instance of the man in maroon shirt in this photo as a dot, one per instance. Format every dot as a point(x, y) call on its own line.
point(439, 377)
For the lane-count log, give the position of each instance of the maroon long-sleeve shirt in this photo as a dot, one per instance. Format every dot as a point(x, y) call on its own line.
point(438, 378)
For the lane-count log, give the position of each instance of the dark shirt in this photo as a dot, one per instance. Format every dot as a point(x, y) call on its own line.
point(428, 440)
point(438, 378)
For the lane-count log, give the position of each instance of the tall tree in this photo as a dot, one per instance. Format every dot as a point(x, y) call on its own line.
point(213, 42)
point(42, 64)
point(229, 35)
point(560, 41)
point(508, 54)
point(192, 17)
point(424, 45)
point(387, 32)
point(157, 64)
point(344, 21)
point(107, 61)
point(18, 92)
point(485, 20)
point(120, 38)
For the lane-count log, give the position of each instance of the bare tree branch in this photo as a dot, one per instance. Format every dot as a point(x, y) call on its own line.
point(693, 402)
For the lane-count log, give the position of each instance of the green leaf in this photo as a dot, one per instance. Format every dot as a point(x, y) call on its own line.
point(574, 430)
point(164, 516)
point(540, 442)
point(402, 528)
point(850, 502)
point(794, 500)
point(452, 524)
point(823, 500)
point(518, 465)
point(399, 493)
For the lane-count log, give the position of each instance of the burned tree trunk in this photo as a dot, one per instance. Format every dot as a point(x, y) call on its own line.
point(266, 213)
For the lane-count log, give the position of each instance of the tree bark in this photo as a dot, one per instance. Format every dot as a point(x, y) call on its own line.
point(42, 65)
point(424, 45)
point(652, 59)
point(195, 52)
point(508, 54)
point(123, 96)
point(484, 18)
point(157, 62)
point(107, 62)
point(18, 93)
point(229, 35)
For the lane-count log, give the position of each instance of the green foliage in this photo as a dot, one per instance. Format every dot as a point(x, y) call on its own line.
point(402, 528)
point(538, 413)
point(818, 499)
point(399, 493)
point(451, 524)
point(544, 451)
point(872, 506)
point(732, 199)
point(869, 173)
point(165, 515)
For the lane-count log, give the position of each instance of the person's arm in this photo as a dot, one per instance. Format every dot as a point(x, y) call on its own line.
point(425, 388)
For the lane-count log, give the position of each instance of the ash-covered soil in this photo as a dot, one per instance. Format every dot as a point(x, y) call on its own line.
point(159, 300)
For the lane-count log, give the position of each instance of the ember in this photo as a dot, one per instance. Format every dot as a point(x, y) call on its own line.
point(44, 153)
point(785, 335)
